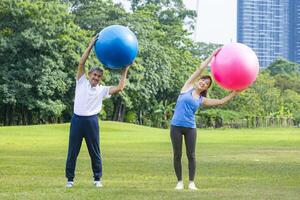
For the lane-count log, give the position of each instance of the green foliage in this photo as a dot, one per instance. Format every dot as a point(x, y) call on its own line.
point(163, 62)
point(291, 104)
point(42, 41)
point(39, 45)
point(216, 118)
point(130, 117)
point(104, 13)
point(282, 66)
point(203, 50)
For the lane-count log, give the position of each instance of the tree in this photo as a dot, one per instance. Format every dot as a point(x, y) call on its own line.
point(163, 62)
point(105, 13)
point(291, 103)
point(39, 48)
point(282, 66)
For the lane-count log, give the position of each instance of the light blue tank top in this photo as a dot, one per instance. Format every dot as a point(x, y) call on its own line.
point(185, 109)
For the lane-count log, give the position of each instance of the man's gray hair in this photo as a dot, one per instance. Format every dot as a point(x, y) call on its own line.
point(96, 69)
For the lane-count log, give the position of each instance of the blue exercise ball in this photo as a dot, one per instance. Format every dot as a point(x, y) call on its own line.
point(116, 47)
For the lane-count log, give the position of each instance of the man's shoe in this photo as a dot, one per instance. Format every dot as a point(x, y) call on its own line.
point(98, 184)
point(69, 184)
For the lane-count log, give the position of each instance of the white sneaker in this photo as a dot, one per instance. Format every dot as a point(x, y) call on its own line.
point(192, 186)
point(179, 185)
point(98, 184)
point(69, 184)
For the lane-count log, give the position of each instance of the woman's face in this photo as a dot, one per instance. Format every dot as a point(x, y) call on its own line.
point(203, 84)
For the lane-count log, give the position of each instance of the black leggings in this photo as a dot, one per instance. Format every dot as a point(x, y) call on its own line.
point(190, 136)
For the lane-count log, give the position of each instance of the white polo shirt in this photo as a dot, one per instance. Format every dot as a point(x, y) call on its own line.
point(88, 100)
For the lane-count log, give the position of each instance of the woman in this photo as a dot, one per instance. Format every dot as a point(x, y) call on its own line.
point(192, 96)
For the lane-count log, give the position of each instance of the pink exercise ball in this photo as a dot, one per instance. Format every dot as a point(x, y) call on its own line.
point(235, 67)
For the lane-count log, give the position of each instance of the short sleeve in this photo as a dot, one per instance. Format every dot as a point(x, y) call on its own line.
point(105, 91)
point(81, 80)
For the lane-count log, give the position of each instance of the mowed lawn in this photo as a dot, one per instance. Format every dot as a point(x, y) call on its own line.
point(137, 164)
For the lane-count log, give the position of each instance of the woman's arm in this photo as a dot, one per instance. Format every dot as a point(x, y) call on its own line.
point(189, 83)
point(215, 102)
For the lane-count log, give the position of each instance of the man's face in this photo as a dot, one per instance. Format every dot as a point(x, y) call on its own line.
point(94, 78)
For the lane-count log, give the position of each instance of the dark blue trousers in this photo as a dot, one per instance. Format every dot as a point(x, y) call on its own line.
point(86, 127)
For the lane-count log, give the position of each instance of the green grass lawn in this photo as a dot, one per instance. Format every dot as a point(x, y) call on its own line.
point(137, 164)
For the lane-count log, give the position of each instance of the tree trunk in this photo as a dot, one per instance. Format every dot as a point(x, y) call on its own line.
point(8, 115)
point(119, 112)
point(24, 120)
point(140, 117)
point(5, 119)
point(122, 113)
point(29, 117)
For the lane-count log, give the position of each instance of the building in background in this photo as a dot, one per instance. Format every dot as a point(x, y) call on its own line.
point(294, 40)
point(271, 28)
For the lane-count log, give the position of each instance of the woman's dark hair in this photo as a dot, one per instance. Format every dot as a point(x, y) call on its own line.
point(204, 93)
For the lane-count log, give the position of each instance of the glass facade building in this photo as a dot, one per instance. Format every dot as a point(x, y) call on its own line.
point(294, 40)
point(271, 28)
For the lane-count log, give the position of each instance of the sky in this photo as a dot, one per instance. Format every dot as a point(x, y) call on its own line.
point(217, 20)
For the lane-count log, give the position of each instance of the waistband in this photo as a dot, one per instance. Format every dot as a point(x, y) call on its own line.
point(85, 117)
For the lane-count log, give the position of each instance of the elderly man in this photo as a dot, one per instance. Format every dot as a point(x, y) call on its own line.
point(84, 124)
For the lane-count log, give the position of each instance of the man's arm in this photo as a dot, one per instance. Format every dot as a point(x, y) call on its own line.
point(122, 82)
point(84, 57)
